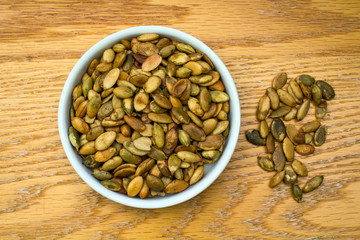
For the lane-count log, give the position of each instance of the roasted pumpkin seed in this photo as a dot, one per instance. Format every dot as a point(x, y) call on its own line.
point(312, 184)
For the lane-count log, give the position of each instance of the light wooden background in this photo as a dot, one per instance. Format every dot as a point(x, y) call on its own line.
point(42, 197)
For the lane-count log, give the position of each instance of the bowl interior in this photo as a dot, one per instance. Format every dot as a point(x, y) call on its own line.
point(212, 171)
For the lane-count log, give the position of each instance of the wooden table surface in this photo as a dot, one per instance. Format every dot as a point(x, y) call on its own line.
point(42, 197)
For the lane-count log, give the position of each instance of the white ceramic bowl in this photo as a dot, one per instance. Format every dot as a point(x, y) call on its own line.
point(212, 171)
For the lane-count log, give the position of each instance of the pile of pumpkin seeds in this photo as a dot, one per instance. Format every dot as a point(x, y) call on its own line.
point(284, 141)
point(148, 115)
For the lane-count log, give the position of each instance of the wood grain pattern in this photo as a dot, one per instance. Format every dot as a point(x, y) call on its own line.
point(43, 198)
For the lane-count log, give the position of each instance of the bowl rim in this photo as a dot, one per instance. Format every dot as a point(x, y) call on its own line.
point(169, 200)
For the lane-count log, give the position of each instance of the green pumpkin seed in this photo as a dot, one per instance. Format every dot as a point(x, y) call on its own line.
point(163, 167)
point(263, 107)
point(219, 96)
point(152, 84)
point(111, 185)
point(157, 154)
point(286, 98)
point(279, 80)
point(327, 90)
point(305, 90)
point(304, 149)
point(270, 143)
point(296, 193)
point(184, 138)
point(154, 183)
point(179, 58)
point(313, 183)
point(306, 79)
point(93, 106)
point(277, 179)
point(112, 163)
point(253, 136)
point(274, 98)
point(129, 157)
point(194, 106)
point(108, 55)
point(144, 167)
point(188, 156)
point(278, 158)
point(303, 110)
point(160, 118)
point(94, 133)
point(135, 186)
point(102, 175)
point(174, 163)
point(176, 186)
point(86, 86)
point(290, 176)
point(223, 125)
point(194, 132)
point(316, 94)
point(105, 140)
point(167, 51)
point(209, 125)
point(185, 48)
point(266, 163)
point(291, 132)
point(288, 149)
point(308, 138)
point(74, 138)
point(197, 175)
point(147, 37)
point(296, 89)
point(212, 142)
point(88, 148)
point(299, 168)
point(143, 143)
point(263, 129)
point(280, 112)
point(320, 110)
point(320, 135)
point(111, 78)
point(80, 125)
point(278, 130)
point(119, 47)
point(213, 155)
point(311, 126)
point(291, 115)
point(105, 155)
point(151, 63)
point(205, 99)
